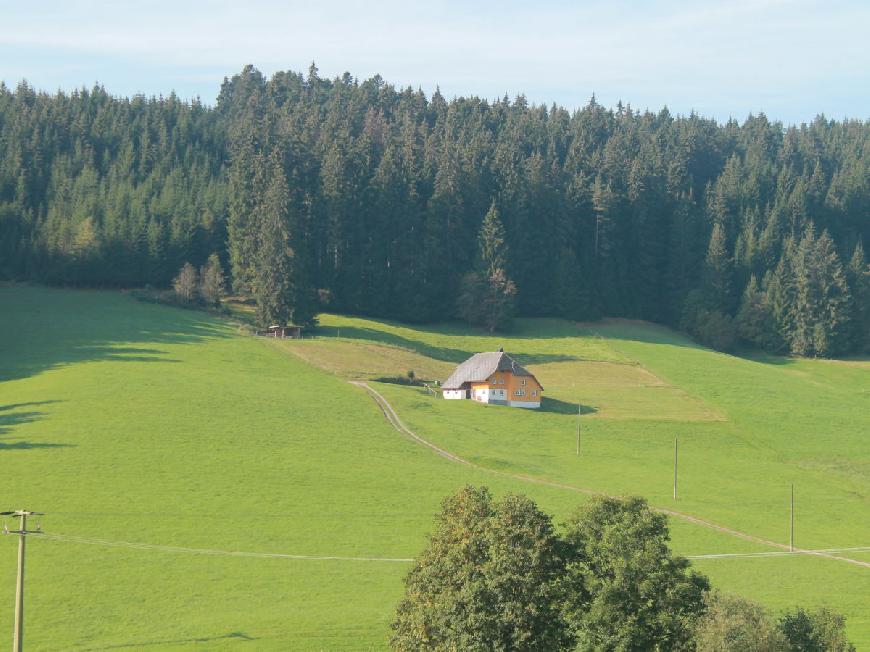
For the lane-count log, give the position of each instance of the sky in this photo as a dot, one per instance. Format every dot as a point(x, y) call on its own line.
point(791, 59)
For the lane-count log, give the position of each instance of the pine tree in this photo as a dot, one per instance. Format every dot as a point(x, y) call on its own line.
point(491, 242)
point(858, 276)
point(487, 296)
point(755, 320)
point(273, 289)
point(818, 316)
point(718, 274)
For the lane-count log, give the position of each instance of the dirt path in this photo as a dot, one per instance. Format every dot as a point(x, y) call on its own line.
point(394, 420)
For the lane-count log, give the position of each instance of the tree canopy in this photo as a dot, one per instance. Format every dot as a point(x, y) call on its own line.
point(486, 581)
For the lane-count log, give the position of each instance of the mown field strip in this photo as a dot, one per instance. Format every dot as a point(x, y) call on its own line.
point(783, 553)
point(393, 418)
point(66, 538)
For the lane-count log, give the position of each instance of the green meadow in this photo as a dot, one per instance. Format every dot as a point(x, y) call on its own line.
point(138, 423)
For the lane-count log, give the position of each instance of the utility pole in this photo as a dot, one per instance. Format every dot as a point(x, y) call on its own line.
point(22, 532)
point(791, 536)
point(578, 427)
point(676, 456)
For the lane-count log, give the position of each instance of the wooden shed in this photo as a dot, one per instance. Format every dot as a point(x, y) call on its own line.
point(291, 332)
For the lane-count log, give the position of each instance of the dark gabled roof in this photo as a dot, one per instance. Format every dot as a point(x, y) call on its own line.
point(481, 366)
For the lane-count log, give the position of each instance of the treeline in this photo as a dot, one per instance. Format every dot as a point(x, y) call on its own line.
point(360, 197)
point(102, 191)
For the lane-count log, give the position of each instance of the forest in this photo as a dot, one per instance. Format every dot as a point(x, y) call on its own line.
point(359, 197)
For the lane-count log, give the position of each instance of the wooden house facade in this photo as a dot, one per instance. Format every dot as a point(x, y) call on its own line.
point(494, 378)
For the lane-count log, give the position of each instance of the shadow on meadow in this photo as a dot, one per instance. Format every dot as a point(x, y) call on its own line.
point(443, 354)
point(649, 333)
point(237, 636)
point(555, 406)
point(45, 328)
point(9, 419)
point(631, 330)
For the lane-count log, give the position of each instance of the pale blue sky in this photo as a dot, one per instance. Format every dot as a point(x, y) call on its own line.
point(791, 59)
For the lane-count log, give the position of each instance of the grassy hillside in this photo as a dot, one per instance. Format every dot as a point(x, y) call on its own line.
point(748, 428)
point(130, 422)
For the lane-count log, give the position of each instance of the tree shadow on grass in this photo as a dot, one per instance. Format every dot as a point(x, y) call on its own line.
point(444, 354)
point(239, 636)
point(45, 328)
point(650, 333)
point(632, 330)
point(555, 406)
point(10, 419)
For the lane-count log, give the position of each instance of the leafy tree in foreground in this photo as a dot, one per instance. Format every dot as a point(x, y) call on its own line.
point(821, 630)
point(734, 624)
point(486, 580)
point(624, 588)
point(494, 576)
point(185, 283)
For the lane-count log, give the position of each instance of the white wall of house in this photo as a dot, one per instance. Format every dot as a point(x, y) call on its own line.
point(454, 393)
point(525, 404)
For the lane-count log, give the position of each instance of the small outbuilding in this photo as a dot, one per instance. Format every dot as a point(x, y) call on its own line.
point(494, 378)
point(291, 332)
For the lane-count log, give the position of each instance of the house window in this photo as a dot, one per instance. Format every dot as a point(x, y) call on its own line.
point(534, 392)
point(523, 381)
point(520, 392)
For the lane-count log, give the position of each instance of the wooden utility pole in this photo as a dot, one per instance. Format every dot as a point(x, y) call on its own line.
point(578, 427)
point(18, 633)
point(676, 457)
point(791, 535)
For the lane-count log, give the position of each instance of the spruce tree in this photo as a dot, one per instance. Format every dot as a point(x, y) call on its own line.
point(491, 242)
point(820, 312)
point(487, 296)
point(273, 289)
point(858, 276)
point(755, 320)
point(718, 273)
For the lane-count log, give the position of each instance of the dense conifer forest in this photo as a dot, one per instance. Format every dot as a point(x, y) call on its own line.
point(363, 198)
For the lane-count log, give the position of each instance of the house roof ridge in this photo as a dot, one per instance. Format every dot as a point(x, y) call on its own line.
point(481, 366)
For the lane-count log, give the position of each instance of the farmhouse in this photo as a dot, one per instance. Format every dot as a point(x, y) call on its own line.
point(494, 378)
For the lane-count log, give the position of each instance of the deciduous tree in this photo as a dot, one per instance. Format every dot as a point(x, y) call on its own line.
point(486, 580)
point(624, 588)
point(185, 283)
